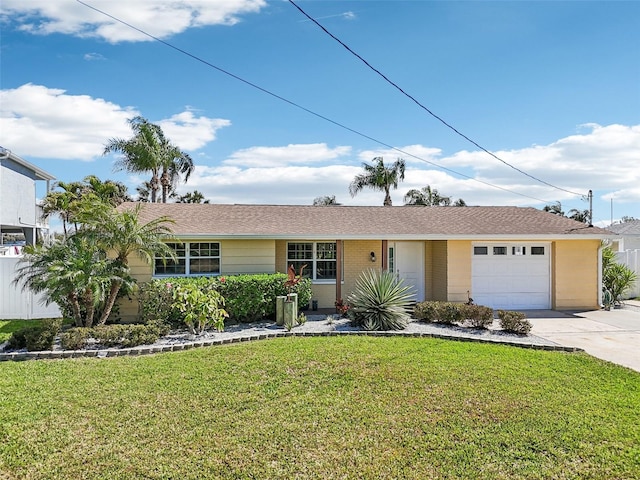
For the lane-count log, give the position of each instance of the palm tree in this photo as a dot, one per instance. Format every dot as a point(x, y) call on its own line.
point(150, 151)
point(325, 201)
point(555, 208)
point(191, 197)
point(63, 204)
point(74, 273)
point(379, 177)
point(428, 197)
point(580, 215)
point(109, 191)
point(123, 234)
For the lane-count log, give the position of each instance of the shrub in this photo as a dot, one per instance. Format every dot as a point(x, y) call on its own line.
point(200, 308)
point(137, 334)
point(452, 313)
point(380, 301)
point(36, 337)
point(247, 298)
point(448, 313)
point(253, 297)
point(75, 338)
point(477, 316)
point(428, 311)
point(514, 322)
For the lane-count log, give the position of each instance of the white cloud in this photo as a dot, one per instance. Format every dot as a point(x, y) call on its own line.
point(190, 132)
point(286, 155)
point(46, 122)
point(161, 18)
point(413, 154)
point(93, 56)
point(601, 159)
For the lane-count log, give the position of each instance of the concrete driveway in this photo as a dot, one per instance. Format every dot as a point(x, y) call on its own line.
point(610, 335)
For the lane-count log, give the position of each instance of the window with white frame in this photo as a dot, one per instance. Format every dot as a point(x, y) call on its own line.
point(320, 258)
point(193, 258)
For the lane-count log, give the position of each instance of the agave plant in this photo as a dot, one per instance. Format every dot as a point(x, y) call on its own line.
point(380, 301)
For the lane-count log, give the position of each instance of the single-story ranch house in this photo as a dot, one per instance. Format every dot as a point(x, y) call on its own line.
point(502, 257)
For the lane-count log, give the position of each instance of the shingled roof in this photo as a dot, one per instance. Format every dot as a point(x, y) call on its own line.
point(359, 222)
point(627, 228)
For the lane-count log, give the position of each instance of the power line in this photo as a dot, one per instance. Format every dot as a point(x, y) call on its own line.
point(294, 104)
point(441, 120)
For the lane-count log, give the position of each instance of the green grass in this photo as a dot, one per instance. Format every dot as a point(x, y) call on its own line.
point(7, 327)
point(322, 407)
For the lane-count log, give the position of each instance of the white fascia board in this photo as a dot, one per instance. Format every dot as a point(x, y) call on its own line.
point(540, 238)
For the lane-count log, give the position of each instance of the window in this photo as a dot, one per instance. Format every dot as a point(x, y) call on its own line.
point(201, 258)
point(537, 250)
point(320, 258)
point(480, 250)
point(499, 250)
point(519, 250)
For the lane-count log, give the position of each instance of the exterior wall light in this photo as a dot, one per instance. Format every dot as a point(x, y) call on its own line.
point(372, 256)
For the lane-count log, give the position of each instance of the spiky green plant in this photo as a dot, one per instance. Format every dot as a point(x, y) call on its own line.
point(381, 301)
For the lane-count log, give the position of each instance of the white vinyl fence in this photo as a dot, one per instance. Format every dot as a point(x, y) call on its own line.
point(631, 258)
point(16, 303)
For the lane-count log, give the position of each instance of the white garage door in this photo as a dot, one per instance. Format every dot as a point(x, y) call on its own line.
point(511, 276)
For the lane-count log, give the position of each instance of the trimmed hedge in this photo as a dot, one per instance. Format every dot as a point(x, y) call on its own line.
point(113, 335)
point(514, 322)
point(248, 298)
point(36, 338)
point(450, 313)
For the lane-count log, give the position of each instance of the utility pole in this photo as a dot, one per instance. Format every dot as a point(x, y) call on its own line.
point(590, 208)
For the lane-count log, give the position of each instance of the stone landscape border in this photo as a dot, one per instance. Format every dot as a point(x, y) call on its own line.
point(153, 349)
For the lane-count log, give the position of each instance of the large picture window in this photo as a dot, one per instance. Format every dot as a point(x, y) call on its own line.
point(320, 258)
point(193, 258)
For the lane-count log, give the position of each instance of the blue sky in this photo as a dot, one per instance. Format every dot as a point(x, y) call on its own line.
point(550, 87)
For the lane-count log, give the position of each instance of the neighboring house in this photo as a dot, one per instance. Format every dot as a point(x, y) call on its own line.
point(19, 214)
point(502, 257)
point(627, 248)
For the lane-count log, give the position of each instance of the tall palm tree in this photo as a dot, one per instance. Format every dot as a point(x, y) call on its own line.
point(150, 151)
point(109, 191)
point(379, 177)
point(580, 215)
point(123, 234)
point(428, 197)
point(325, 201)
point(63, 203)
point(555, 208)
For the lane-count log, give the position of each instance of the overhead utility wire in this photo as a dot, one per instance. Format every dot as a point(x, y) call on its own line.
point(425, 108)
point(275, 95)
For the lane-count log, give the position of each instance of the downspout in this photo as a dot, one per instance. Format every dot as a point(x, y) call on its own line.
point(600, 274)
point(338, 270)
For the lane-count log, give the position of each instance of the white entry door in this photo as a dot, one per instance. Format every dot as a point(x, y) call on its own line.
point(406, 259)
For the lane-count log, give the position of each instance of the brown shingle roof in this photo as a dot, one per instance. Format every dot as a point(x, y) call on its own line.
point(314, 222)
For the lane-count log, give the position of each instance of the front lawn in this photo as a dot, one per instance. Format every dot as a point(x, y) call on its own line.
point(322, 407)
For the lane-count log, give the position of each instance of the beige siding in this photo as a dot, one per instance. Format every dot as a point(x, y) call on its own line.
point(357, 259)
point(439, 270)
point(247, 256)
point(575, 274)
point(428, 270)
point(459, 270)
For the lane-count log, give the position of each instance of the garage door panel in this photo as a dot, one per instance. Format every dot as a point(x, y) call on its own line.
point(512, 281)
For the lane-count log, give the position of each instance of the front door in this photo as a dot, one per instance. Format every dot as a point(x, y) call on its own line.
point(406, 259)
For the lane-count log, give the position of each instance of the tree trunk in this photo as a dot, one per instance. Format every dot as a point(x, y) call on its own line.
point(387, 198)
point(90, 308)
point(75, 308)
point(165, 181)
point(111, 300)
point(154, 187)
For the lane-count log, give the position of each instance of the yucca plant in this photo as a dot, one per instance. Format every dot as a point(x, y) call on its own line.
point(380, 301)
